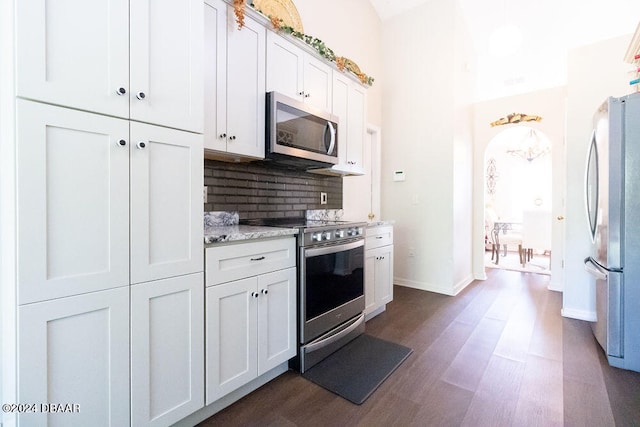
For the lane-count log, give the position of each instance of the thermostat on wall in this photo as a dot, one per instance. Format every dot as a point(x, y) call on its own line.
point(398, 176)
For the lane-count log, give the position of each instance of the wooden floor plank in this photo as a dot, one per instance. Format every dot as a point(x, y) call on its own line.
point(540, 401)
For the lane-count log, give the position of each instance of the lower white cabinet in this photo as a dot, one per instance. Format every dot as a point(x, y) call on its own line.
point(251, 328)
point(167, 350)
point(75, 351)
point(378, 280)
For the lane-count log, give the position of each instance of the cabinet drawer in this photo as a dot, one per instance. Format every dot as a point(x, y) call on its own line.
point(378, 236)
point(236, 261)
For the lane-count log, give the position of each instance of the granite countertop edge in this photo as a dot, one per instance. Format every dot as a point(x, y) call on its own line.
point(380, 223)
point(232, 233)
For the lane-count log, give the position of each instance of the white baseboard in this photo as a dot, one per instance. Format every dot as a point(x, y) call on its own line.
point(424, 286)
point(589, 316)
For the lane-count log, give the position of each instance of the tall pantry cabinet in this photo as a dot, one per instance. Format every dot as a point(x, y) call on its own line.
point(110, 290)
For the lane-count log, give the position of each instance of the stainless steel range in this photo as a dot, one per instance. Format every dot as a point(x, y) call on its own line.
point(330, 286)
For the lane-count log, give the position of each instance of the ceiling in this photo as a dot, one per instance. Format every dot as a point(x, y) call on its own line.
point(547, 27)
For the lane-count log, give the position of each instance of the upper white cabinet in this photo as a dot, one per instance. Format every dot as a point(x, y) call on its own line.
point(349, 104)
point(234, 91)
point(297, 74)
point(131, 59)
point(166, 202)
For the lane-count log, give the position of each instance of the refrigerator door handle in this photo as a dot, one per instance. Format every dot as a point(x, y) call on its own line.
point(594, 269)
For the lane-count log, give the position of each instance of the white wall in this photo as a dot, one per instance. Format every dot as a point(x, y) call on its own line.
point(595, 72)
point(425, 134)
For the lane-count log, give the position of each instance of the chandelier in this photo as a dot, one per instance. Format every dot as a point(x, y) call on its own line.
point(530, 147)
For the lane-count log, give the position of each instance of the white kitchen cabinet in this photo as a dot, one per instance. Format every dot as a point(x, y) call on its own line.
point(130, 59)
point(167, 350)
point(75, 350)
point(297, 74)
point(349, 104)
point(79, 229)
point(251, 323)
point(73, 202)
point(378, 281)
point(234, 88)
point(166, 202)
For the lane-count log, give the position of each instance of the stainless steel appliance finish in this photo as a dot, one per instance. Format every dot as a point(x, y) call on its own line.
point(300, 135)
point(331, 289)
point(613, 208)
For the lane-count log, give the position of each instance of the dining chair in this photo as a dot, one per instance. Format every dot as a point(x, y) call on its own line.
point(536, 233)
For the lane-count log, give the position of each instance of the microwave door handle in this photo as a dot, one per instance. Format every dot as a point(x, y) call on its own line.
point(332, 131)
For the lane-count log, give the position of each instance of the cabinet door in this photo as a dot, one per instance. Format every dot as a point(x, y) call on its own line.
point(231, 336)
point(246, 96)
point(356, 127)
point(370, 281)
point(74, 53)
point(317, 83)
point(276, 318)
point(167, 350)
point(215, 75)
point(384, 275)
point(73, 202)
point(167, 63)
point(340, 108)
point(76, 350)
point(166, 202)
point(285, 67)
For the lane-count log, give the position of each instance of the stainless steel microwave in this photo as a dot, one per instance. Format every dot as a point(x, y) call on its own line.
point(300, 135)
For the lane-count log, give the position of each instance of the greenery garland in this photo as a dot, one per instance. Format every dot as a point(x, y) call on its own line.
point(323, 50)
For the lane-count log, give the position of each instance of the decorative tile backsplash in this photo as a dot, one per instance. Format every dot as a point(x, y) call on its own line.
point(265, 190)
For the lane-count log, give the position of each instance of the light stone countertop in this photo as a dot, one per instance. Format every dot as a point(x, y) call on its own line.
point(380, 223)
point(231, 233)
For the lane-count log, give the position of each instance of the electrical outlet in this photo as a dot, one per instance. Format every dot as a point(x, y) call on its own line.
point(323, 198)
point(204, 195)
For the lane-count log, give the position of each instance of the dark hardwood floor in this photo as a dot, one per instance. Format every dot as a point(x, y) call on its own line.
point(498, 354)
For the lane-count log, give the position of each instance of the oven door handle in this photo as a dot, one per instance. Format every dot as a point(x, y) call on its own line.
point(332, 249)
point(317, 345)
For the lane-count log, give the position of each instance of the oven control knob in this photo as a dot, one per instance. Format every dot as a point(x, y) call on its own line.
point(316, 237)
point(352, 232)
point(339, 234)
point(326, 235)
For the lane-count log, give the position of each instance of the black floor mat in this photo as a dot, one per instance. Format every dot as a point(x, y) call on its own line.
point(357, 369)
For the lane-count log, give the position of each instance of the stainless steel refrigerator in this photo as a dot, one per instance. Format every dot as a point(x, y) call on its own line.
point(613, 209)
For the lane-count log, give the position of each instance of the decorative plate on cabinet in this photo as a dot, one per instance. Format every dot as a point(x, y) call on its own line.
point(282, 9)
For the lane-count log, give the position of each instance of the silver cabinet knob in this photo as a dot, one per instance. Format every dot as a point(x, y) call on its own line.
point(255, 294)
point(301, 93)
point(122, 143)
point(222, 135)
point(232, 137)
point(141, 95)
point(265, 291)
point(307, 95)
point(140, 145)
point(121, 91)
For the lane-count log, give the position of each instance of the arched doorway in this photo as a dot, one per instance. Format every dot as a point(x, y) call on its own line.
point(517, 189)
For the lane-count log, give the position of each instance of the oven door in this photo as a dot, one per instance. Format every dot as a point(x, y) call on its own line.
point(331, 287)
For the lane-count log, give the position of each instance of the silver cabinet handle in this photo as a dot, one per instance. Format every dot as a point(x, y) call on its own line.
point(121, 91)
point(122, 143)
point(301, 93)
point(379, 237)
point(265, 291)
point(141, 95)
point(232, 137)
point(255, 294)
point(222, 135)
point(141, 145)
point(307, 95)
point(260, 258)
